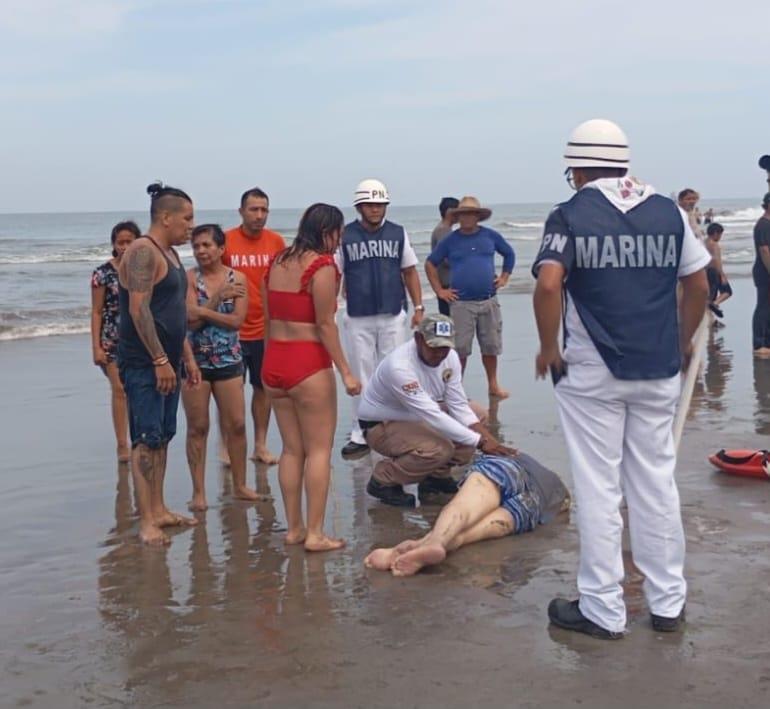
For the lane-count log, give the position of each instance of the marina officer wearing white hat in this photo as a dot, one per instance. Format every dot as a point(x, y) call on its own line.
point(378, 265)
point(618, 251)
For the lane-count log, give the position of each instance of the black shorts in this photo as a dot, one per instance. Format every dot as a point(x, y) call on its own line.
point(715, 284)
point(253, 352)
point(221, 374)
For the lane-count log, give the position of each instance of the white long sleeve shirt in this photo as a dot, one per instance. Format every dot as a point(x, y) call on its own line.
point(404, 388)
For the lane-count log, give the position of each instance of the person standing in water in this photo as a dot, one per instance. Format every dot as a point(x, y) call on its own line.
point(151, 347)
point(216, 307)
point(105, 312)
point(249, 248)
point(300, 297)
point(719, 287)
point(760, 322)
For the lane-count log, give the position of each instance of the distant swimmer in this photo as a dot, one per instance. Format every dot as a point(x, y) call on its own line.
point(378, 267)
point(248, 249)
point(300, 297)
point(441, 230)
point(617, 384)
point(414, 411)
point(472, 295)
point(105, 314)
point(152, 345)
point(216, 307)
point(761, 274)
point(498, 496)
point(719, 287)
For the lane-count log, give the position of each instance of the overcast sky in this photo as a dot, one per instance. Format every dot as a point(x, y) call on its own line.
point(100, 97)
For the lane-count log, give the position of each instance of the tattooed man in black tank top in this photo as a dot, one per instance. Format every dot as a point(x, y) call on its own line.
point(153, 323)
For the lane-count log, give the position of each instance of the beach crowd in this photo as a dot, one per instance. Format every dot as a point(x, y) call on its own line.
point(623, 276)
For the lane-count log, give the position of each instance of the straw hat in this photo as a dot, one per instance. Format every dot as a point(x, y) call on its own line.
point(471, 204)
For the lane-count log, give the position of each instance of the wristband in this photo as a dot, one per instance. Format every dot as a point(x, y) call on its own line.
point(160, 360)
point(419, 307)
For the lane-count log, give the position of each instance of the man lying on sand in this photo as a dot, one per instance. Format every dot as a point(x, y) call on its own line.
point(498, 496)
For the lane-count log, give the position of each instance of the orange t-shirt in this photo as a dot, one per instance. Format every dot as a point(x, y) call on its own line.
point(250, 256)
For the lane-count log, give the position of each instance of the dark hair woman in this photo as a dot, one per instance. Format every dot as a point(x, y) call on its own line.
point(216, 307)
point(104, 328)
point(300, 298)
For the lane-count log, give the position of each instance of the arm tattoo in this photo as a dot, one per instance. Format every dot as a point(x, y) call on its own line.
point(145, 328)
point(140, 277)
point(140, 270)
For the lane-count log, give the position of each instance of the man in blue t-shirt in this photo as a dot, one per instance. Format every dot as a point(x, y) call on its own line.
point(470, 251)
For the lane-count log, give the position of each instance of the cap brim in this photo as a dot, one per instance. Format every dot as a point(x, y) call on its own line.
point(434, 342)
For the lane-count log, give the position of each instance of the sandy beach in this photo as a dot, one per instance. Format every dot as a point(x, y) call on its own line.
point(229, 616)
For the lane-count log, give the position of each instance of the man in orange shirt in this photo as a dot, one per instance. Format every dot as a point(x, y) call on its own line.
point(248, 248)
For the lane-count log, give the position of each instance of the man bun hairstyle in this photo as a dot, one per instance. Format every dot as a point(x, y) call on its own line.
point(127, 225)
point(165, 199)
point(254, 192)
point(217, 235)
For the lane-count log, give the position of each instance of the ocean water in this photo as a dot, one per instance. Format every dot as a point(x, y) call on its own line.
point(46, 259)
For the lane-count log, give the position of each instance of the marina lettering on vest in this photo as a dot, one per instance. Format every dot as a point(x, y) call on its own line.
point(622, 251)
point(247, 260)
point(372, 249)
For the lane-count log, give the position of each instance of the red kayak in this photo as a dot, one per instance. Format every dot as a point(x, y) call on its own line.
point(750, 464)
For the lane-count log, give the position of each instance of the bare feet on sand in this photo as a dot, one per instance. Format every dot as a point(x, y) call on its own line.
point(124, 454)
point(296, 536)
point(167, 518)
point(262, 455)
point(499, 393)
point(249, 495)
point(198, 504)
point(412, 561)
point(320, 542)
point(382, 559)
point(152, 535)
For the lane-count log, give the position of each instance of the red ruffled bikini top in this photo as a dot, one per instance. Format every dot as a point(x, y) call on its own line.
point(296, 306)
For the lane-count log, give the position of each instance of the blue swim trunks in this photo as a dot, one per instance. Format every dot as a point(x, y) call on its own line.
point(530, 492)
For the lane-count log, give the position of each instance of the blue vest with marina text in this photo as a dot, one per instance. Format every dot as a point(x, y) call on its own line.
point(623, 281)
point(373, 283)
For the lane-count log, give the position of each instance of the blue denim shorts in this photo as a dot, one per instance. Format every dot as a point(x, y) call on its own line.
point(517, 493)
point(151, 415)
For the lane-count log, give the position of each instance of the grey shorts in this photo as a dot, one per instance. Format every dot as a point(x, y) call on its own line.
point(481, 317)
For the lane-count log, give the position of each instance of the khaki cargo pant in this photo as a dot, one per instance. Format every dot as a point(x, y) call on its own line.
point(414, 451)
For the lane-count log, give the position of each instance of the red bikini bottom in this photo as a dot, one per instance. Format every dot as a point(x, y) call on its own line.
point(289, 362)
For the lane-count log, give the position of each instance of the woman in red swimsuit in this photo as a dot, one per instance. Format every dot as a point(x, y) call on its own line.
point(300, 299)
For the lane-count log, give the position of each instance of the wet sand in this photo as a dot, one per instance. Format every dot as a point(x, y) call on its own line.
point(229, 616)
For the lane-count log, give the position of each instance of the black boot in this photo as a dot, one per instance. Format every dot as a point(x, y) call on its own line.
point(353, 450)
point(390, 494)
point(662, 624)
point(434, 484)
point(566, 614)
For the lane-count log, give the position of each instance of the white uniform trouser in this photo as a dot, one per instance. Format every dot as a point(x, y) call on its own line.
point(620, 432)
point(367, 340)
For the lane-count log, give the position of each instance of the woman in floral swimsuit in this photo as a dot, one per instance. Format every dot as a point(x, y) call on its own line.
point(216, 307)
point(104, 328)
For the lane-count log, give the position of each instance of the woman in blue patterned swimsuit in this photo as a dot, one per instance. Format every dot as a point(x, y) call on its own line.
point(216, 307)
point(104, 328)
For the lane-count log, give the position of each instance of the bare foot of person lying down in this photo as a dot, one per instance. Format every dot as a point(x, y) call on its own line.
point(411, 562)
point(320, 542)
point(383, 558)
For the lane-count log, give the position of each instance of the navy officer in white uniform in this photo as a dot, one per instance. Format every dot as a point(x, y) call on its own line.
point(378, 263)
point(618, 251)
